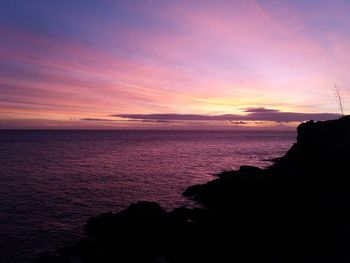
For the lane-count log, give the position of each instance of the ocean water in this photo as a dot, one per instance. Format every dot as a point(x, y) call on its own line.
point(51, 182)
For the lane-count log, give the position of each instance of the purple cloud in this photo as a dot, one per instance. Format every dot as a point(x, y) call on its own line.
point(255, 114)
point(96, 119)
point(260, 109)
point(135, 120)
point(178, 117)
point(238, 122)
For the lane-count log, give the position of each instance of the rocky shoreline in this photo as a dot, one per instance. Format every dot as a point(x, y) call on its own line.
point(297, 210)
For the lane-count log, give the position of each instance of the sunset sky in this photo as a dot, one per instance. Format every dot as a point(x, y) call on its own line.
point(172, 64)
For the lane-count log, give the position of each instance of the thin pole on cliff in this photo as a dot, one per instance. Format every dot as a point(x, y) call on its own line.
point(340, 100)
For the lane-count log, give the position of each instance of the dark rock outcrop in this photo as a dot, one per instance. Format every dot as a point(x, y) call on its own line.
point(297, 210)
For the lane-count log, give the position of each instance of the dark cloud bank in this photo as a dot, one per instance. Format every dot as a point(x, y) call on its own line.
point(253, 114)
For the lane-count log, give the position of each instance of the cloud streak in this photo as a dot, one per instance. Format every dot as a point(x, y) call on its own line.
point(258, 114)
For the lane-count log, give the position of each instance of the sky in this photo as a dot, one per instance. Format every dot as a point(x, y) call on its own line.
point(179, 64)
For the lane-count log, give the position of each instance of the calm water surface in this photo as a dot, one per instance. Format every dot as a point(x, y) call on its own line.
point(51, 182)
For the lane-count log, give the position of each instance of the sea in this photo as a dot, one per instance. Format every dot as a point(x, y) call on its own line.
point(52, 181)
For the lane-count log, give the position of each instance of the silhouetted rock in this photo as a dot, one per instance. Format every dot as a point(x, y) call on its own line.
point(136, 215)
point(230, 186)
point(319, 145)
point(297, 210)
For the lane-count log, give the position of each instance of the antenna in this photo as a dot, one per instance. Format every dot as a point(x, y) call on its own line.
point(339, 98)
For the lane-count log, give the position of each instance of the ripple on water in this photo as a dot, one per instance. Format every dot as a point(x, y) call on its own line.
point(51, 182)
